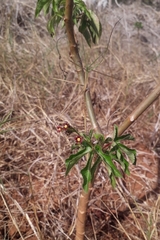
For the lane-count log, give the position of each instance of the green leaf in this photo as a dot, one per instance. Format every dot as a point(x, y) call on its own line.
point(114, 148)
point(5, 119)
point(131, 153)
point(119, 154)
point(113, 180)
point(88, 136)
point(108, 139)
point(40, 5)
point(122, 161)
point(111, 176)
point(46, 7)
point(86, 143)
point(99, 137)
point(54, 6)
point(86, 173)
point(124, 137)
point(80, 3)
point(107, 159)
point(115, 132)
point(90, 27)
point(74, 158)
point(95, 165)
point(95, 27)
point(83, 29)
point(138, 25)
point(50, 26)
point(125, 166)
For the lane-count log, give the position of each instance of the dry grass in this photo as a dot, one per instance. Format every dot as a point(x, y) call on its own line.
point(40, 90)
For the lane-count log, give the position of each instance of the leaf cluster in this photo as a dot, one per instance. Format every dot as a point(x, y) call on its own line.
point(86, 21)
point(111, 151)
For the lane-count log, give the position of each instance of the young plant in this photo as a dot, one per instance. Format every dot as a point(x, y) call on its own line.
point(92, 146)
point(3, 121)
point(138, 26)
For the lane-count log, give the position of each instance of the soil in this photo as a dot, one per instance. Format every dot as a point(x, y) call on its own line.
point(37, 200)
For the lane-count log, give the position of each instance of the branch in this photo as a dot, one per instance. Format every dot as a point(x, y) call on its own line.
point(139, 110)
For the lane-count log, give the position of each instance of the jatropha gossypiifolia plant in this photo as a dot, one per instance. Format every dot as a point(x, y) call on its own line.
point(95, 148)
point(99, 149)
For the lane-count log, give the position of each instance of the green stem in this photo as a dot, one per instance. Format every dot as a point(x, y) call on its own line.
point(91, 113)
point(74, 54)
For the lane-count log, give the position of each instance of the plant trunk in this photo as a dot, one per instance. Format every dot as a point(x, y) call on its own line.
point(82, 213)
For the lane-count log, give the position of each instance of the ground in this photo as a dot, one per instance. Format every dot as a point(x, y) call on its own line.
point(40, 90)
